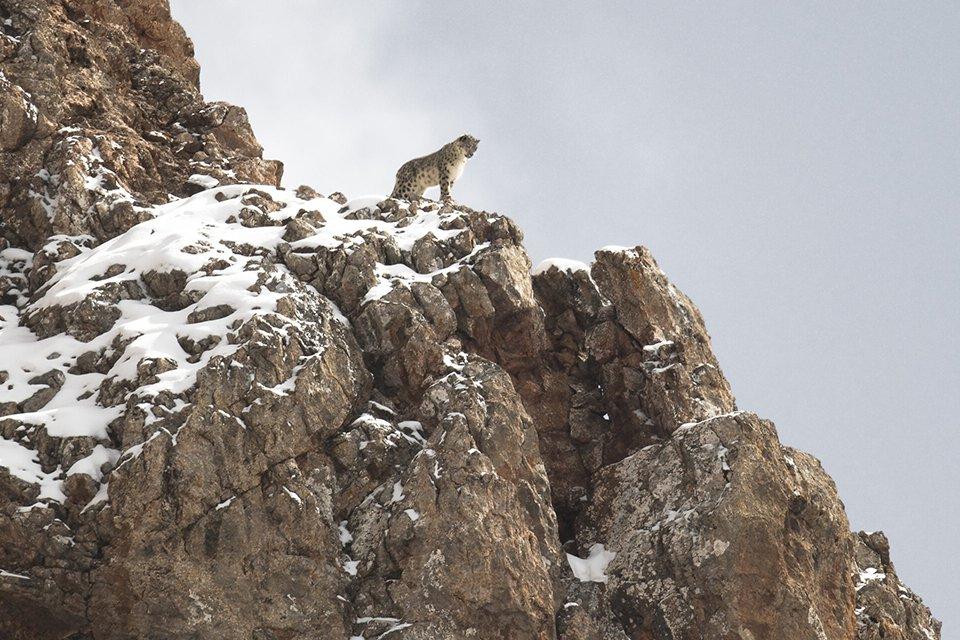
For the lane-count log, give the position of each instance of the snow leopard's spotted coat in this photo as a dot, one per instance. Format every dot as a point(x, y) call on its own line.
point(441, 167)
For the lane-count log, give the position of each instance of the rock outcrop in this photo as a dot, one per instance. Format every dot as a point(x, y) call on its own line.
point(230, 410)
point(101, 117)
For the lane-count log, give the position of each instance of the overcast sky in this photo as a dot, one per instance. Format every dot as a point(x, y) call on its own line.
point(795, 168)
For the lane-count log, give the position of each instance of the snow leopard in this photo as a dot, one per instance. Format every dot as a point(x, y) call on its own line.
point(442, 167)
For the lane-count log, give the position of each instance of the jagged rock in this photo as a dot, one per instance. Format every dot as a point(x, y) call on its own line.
point(236, 411)
point(713, 527)
point(101, 116)
point(886, 608)
point(467, 529)
point(654, 351)
point(18, 116)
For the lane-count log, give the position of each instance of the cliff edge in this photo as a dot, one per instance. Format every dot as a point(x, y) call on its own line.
point(231, 410)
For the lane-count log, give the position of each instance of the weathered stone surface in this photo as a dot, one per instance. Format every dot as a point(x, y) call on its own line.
point(101, 116)
point(886, 608)
point(18, 116)
point(720, 532)
point(249, 413)
point(466, 530)
point(654, 349)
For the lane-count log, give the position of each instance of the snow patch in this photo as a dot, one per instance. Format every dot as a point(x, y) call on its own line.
point(615, 248)
point(345, 536)
point(293, 496)
point(92, 463)
point(10, 574)
point(593, 567)
point(207, 182)
point(562, 264)
point(868, 575)
point(397, 493)
point(24, 463)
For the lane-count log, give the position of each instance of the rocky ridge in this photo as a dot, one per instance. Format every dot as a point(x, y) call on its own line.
point(230, 410)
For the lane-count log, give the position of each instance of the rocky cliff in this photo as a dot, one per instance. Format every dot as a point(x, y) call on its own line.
point(230, 410)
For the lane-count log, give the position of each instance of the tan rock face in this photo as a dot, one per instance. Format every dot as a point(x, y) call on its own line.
point(18, 116)
point(722, 533)
point(236, 411)
point(101, 117)
point(655, 350)
point(886, 608)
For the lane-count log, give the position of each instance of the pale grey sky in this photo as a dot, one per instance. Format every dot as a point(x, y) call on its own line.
point(795, 168)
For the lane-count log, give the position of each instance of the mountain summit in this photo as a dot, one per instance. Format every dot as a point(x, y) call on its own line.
point(231, 410)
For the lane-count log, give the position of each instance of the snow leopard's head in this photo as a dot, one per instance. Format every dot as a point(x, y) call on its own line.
point(469, 144)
